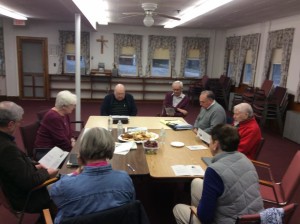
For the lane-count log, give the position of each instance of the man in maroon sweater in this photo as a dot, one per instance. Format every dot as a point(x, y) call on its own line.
point(249, 131)
point(176, 100)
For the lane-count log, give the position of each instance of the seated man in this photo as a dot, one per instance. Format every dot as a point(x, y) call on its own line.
point(211, 113)
point(96, 186)
point(18, 174)
point(176, 100)
point(119, 103)
point(230, 186)
point(249, 131)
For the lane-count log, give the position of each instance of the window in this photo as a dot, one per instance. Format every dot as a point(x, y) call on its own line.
point(248, 68)
point(230, 64)
point(276, 74)
point(275, 71)
point(161, 63)
point(192, 64)
point(127, 62)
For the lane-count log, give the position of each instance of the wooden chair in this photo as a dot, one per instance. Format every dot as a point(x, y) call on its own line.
point(259, 147)
point(265, 90)
point(197, 87)
point(21, 216)
point(28, 133)
point(255, 218)
point(272, 108)
point(132, 212)
point(282, 192)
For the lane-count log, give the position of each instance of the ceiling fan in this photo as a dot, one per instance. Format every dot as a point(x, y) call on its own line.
point(149, 9)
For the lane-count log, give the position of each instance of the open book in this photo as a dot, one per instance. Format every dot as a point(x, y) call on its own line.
point(53, 158)
point(188, 170)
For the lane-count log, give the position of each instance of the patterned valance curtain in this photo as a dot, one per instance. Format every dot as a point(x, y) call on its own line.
point(165, 42)
point(232, 43)
point(279, 39)
point(128, 40)
point(66, 37)
point(249, 42)
point(2, 58)
point(190, 43)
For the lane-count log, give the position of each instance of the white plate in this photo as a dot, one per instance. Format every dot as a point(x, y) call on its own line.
point(153, 137)
point(177, 144)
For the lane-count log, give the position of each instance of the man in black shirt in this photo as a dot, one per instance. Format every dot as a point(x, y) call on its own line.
point(119, 103)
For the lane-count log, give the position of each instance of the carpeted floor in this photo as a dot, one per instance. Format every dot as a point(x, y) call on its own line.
point(159, 197)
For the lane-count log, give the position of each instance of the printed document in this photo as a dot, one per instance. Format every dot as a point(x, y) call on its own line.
point(188, 170)
point(53, 158)
point(203, 136)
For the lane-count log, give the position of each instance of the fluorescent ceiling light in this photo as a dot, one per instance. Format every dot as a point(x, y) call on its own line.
point(201, 8)
point(96, 11)
point(7, 12)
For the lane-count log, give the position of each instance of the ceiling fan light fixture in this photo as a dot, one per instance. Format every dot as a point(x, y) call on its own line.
point(148, 20)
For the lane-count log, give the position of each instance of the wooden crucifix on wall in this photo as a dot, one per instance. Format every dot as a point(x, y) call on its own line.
point(102, 42)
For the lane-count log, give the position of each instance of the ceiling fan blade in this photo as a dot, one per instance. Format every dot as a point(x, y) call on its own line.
point(167, 16)
point(133, 13)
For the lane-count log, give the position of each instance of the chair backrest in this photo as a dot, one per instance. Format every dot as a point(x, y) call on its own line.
point(291, 177)
point(132, 212)
point(255, 218)
point(267, 87)
point(279, 95)
point(28, 133)
point(205, 81)
point(259, 147)
point(41, 114)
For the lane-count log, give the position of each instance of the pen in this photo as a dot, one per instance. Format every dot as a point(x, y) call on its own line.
point(130, 167)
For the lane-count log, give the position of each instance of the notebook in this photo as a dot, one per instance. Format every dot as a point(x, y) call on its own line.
point(203, 136)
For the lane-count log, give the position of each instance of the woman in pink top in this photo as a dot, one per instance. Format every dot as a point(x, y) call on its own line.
point(55, 128)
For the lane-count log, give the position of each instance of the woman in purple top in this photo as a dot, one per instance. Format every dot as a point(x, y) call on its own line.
point(176, 100)
point(55, 128)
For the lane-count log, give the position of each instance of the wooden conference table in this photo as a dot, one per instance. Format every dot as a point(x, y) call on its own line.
point(158, 165)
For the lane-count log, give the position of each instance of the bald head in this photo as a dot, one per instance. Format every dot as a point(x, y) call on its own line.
point(119, 92)
point(242, 111)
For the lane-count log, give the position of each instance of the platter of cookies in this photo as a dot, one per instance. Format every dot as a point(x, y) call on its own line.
point(138, 136)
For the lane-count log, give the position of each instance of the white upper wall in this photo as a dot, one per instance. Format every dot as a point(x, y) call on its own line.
point(263, 29)
point(50, 31)
point(216, 52)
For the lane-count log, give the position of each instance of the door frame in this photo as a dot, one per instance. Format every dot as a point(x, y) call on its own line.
point(44, 41)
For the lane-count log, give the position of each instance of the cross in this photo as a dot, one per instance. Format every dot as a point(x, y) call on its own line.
point(102, 41)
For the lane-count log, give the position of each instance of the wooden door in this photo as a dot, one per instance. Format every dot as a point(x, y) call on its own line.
point(33, 67)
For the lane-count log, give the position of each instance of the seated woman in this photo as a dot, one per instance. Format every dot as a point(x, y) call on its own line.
point(55, 128)
point(96, 186)
point(176, 100)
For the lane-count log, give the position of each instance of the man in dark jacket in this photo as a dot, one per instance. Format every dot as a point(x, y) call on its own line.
point(119, 103)
point(18, 174)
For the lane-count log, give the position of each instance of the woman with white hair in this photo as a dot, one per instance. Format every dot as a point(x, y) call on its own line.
point(96, 186)
point(55, 128)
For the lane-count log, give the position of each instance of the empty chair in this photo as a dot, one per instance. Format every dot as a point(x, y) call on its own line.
point(288, 212)
point(222, 91)
point(263, 92)
point(197, 87)
point(131, 213)
point(282, 192)
point(272, 108)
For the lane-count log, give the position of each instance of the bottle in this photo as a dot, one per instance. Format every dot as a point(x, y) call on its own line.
point(120, 128)
point(162, 135)
point(109, 124)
